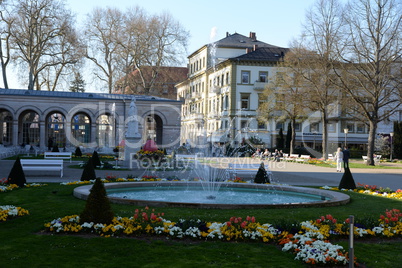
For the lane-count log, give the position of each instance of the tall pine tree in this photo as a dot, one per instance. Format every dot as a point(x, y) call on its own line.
point(397, 140)
point(78, 84)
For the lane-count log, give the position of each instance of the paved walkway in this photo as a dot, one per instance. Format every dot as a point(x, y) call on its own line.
point(283, 173)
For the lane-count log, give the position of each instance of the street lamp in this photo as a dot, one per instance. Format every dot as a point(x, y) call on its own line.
point(391, 135)
point(346, 130)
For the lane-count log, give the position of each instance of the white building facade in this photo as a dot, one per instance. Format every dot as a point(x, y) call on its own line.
point(224, 90)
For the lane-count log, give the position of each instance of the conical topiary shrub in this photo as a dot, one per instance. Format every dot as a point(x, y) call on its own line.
point(88, 173)
point(17, 175)
point(262, 175)
point(95, 158)
point(347, 181)
point(97, 208)
point(78, 152)
point(55, 148)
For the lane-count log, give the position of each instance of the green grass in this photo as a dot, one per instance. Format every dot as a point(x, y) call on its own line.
point(23, 246)
point(358, 165)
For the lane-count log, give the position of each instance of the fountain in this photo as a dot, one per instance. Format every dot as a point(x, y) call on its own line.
point(211, 191)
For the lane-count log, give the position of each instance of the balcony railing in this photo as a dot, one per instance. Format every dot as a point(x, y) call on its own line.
point(260, 85)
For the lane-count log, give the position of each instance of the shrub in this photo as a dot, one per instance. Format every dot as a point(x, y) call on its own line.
point(55, 148)
point(89, 171)
point(96, 160)
point(97, 208)
point(347, 181)
point(78, 152)
point(17, 175)
point(262, 175)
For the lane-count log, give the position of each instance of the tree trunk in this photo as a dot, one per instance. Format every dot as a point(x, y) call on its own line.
point(292, 141)
point(324, 134)
point(371, 139)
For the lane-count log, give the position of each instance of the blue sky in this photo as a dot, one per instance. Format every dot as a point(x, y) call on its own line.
point(274, 21)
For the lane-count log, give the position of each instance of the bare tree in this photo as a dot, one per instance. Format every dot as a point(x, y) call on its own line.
point(150, 42)
point(285, 97)
point(103, 30)
point(313, 57)
point(39, 31)
point(371, 56)
point(5, 48)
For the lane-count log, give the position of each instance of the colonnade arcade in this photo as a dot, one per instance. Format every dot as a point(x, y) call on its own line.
point(31, 128)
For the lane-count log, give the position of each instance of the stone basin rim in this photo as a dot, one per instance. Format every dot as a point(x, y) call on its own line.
point(335, 198)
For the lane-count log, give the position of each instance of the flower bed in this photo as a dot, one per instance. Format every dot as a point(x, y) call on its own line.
point(308, 240)
point(10, 187)
point(9, 212)
point(371, 190)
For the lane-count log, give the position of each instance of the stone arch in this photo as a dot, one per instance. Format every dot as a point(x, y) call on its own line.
point(55, 128)
point(29, 127)
point(6, 127)
point(153, 128)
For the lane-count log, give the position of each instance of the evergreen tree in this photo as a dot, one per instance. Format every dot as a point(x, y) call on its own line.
point(288, 135)
point(55, 148)
point(78, 152)
point(96, 160)
point(88, 173)
point(262, 175)
point(280, 139)
point(78, 84)
point(17, 175)
point(97, 208)
point(347, 181)
point(397, 140)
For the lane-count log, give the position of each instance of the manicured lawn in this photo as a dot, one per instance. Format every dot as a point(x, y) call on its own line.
point(22, 245)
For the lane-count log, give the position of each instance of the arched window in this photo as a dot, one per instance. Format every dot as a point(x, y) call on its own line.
point(81, 128)
point(106, 131)
point(56, 129)
point(6, 127)
point(30, 128)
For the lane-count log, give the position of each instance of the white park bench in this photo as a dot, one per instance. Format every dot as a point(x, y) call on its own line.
point(43, 165)
point(377, 159)
point(331, 157)
point(246, 170)
point(291, 157)
point(303, 158)
point(59, 155)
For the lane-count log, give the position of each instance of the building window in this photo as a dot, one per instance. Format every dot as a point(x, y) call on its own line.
point(360, 128)
point(263, 77)
point(261, 125)
point(315, 127)
point(226, 102)
point(245, 101)
point(297, 127)
point(227, 78)
point(245, 77)
point(279, 125)
point(331, 127)
point(243, 124)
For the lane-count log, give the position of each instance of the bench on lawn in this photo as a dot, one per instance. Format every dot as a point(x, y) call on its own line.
point(303, 158)
point(237, 170)
point(291, 157)
point(43, 165)
point(377, 159)
point(59, 155)
point(331, 157)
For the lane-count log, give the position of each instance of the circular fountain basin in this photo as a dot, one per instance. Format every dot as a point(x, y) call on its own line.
point(236, 195)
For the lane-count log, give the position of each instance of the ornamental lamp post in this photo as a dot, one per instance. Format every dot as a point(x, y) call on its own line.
point(346, 131)
point(391, 135)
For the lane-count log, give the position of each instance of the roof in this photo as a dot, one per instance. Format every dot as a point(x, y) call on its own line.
point(240, 41)
point(271, 53)
point(78, 95)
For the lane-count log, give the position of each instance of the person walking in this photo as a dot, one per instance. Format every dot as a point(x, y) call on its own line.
point(346, 156)
point(339, 159)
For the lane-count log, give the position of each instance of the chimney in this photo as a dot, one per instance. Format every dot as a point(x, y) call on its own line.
point(253, 36)
point(227, 34)
point(255, 47)
point(248, 50)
